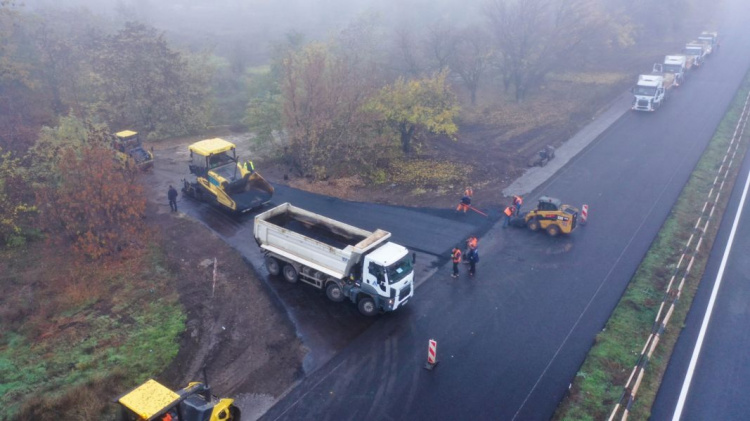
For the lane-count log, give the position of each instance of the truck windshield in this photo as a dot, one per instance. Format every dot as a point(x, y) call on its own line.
point(672, 68)
point(400, 269)
point(645, 90)
point(693, 51)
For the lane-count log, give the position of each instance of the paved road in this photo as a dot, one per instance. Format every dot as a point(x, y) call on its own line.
point(721, 378)
point(326, 327)
point(511, 340)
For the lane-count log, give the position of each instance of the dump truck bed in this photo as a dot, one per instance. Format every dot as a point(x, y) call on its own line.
point(314, 240)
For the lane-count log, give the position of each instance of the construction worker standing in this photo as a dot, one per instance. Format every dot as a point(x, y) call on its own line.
point(518, 202)
point(509, 212)
point(471, 244)
point(172, 196)
point(456, 257)
point(473, 259)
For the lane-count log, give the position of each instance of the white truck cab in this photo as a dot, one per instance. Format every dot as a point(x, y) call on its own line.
point(711, 39)
point(389, 271)
point(676, 65)
point(649, 93)
point(698, 50)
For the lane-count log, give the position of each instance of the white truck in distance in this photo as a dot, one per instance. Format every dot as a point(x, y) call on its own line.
point(676, 65)
point(650, 92)
point(345, 261)
point(710, 38)
point(698, 50)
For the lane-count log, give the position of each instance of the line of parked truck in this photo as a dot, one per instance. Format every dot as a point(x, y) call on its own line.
point(650, 91)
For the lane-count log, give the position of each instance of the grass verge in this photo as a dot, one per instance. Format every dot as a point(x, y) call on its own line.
point(76, 336)
point(599, 383)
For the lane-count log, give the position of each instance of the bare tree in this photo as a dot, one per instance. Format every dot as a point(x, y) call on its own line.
point(407, 52)
point(534, 36)
point(472, 58)
point(440, 44)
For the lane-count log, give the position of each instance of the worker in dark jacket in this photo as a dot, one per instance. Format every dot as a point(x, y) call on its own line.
point(473, 259)
point(172, 196)
point(456, 257)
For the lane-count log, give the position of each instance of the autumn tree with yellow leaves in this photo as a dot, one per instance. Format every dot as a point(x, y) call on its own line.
point(413, 108)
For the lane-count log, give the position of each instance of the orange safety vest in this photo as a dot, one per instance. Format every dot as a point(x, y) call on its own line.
point(456, 256)
point(469, 192)
point(509, 210)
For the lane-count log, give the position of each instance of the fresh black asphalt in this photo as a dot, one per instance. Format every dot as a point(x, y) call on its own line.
point(511, 340)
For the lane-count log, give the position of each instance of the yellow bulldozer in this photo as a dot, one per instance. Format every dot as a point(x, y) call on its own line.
point(129, 150)
point(153, 401)
point(222, 180)
point(552, 216)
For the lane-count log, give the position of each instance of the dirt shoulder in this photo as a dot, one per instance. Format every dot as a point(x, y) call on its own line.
point(234, 329)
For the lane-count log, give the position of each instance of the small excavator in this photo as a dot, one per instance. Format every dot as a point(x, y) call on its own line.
point(129, 150)
point(222, 180)
point(153, 401)
point(552, 216)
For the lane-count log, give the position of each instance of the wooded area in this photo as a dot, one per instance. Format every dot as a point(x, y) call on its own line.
point(364, 97)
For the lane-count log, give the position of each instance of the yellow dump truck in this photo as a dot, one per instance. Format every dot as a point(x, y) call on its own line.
point(224, 181)
point(154, 401)
point(129, 150)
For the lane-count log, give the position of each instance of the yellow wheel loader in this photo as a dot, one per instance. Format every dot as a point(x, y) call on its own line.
point(129, 150)
point(552, 216)
point(222, 180)
point(154, 401)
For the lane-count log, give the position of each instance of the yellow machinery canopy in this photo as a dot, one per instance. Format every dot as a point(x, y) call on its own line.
point(148, 399)
point(126, 133)
point(211, 146)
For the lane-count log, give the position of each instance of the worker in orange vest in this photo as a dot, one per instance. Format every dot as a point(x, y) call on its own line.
point(465, 203)
point(517, 202)
point(509, 212)
point(456, 257)
point(471, 244)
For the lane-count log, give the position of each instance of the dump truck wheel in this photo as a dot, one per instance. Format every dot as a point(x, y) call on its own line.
point(553, 230)
point(273, 266)
point(367, 306)
point(334, 292)
point(290, 273)
point(533, 224)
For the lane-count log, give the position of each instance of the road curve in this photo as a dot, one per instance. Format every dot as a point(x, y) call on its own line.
point(511, 339)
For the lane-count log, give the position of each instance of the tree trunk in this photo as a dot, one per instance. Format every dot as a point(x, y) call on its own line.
point(406, 134)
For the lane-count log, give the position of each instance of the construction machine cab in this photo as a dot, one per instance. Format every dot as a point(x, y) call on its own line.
point(128, 147)
point(154, 401)
point(549, 204)
point(221, 179)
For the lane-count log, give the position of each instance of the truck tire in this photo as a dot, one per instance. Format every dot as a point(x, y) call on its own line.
point(290, 273)
point(273, 266)
point(334, 292)
point(367, 307)
point(553, 230)
point(533, 224)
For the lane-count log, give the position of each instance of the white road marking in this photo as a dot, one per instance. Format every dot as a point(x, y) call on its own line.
point(709, 309)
